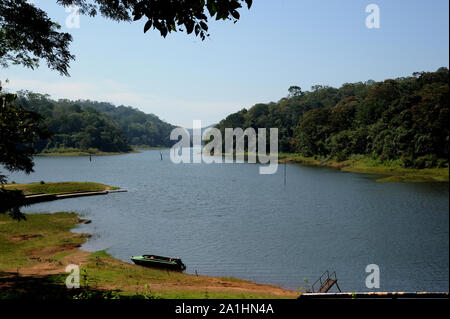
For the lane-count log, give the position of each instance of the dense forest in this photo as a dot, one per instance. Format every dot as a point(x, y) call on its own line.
point(94, 126)
point(404, 120)
point(140, 128)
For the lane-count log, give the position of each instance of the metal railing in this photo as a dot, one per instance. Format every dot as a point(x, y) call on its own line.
point(323, 279)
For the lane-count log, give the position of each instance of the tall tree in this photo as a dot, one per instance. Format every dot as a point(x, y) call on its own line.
point(295, 91)
point(19, 130)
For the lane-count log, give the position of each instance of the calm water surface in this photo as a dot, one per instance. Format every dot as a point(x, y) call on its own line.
point(227, 220)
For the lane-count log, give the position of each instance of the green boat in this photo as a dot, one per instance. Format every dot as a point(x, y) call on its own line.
point(159, 262)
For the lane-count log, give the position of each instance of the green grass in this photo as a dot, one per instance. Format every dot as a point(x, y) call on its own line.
point(42, 230)
point(297, 158)
point(393, 171)
point(58, 188)
point(396, 173)
point(133, 279)
point(70, 151)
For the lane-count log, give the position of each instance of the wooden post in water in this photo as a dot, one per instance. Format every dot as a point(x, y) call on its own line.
point(284, 174)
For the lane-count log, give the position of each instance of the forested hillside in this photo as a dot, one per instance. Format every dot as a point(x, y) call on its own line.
point(403, 120)
point(139, 127)
point(94, 126)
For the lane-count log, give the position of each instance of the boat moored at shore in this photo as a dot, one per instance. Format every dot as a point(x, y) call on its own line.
point(159, 262)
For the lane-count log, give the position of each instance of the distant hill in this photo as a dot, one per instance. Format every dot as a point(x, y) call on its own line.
point(140, 128)
point(95, 126)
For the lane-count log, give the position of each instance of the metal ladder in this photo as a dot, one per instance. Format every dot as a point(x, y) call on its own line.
point(325, 282)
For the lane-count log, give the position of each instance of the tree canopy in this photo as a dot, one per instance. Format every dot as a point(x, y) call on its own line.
point(73, 126)
point(95, 126)
point(404, 120)
point(27, 34)
point(141, 129)
point(19, 130)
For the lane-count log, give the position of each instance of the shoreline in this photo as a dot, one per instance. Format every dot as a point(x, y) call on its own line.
point(363, 165)
point(58, 188)
point(394, 173)
point(44, 245)
point(78, 152)
point(46, 192)
point(84, 154)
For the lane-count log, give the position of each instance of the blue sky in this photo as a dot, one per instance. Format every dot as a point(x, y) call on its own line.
point(274, 45)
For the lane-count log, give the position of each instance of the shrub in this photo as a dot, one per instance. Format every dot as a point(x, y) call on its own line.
point(427, 161)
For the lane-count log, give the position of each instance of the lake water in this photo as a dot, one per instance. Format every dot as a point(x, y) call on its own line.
point(227, 220)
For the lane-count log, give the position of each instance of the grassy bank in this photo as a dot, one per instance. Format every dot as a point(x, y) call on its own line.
point(34, 254)
point(68, 151)
point(58, 188)
point(393, 172)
